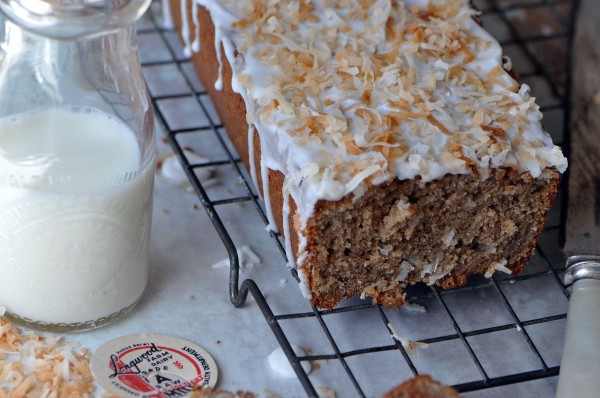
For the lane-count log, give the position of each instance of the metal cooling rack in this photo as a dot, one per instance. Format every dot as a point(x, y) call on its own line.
point(535, 34)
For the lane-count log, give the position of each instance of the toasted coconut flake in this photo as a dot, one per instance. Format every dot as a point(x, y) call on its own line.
point(439, 125)
point(497, 131)
point(44, 366)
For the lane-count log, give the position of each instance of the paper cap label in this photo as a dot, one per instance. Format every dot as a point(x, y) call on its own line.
point(152, 365)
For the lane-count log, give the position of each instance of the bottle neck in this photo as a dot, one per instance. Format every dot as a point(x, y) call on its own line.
point(82, 68)
point(73, 20)
point(101, 72)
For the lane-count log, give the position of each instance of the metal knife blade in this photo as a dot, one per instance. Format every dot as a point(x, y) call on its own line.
point(582, 229)
point(580, 364)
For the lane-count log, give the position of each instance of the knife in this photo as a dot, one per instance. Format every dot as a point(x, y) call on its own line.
point(580, 366)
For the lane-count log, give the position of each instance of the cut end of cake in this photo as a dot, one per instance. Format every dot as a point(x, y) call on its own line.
point(439, 232)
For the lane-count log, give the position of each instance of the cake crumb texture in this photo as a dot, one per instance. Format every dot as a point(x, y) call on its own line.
point(445, 231)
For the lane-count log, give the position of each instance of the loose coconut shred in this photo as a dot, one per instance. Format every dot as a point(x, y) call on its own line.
point(41, 366)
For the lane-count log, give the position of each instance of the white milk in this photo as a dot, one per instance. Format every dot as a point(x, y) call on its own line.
point(75, 214)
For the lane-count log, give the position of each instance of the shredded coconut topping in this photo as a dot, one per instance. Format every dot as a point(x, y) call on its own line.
point(497, 266)
point(353, 92)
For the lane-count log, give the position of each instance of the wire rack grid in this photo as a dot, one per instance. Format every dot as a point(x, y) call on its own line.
point(535, 34)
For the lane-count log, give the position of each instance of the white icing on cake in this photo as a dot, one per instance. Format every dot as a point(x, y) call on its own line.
point(345, 96)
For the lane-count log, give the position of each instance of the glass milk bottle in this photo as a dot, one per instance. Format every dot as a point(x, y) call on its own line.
point(77, 152)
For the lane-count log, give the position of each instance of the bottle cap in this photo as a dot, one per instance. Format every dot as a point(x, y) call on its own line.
point(152, 365)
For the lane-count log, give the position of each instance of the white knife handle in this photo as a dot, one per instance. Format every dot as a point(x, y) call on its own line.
point(580, 367)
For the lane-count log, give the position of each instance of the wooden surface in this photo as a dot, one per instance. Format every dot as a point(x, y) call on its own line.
point(583, 218)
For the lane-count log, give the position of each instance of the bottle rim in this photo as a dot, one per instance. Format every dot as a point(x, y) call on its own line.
point(73, 19)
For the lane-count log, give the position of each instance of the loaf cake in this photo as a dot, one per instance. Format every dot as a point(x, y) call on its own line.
point(388, 138)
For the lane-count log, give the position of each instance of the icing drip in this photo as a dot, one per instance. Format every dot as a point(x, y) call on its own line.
point(251, 154)
point(264, 173)
point(196, 43)
point(286, 224)
point(304, 285)
point(167, 21)
point(218, 42)
point(185, 29)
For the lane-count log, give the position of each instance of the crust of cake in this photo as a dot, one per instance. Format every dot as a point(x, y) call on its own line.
point(450, 229)
point(232, 110)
